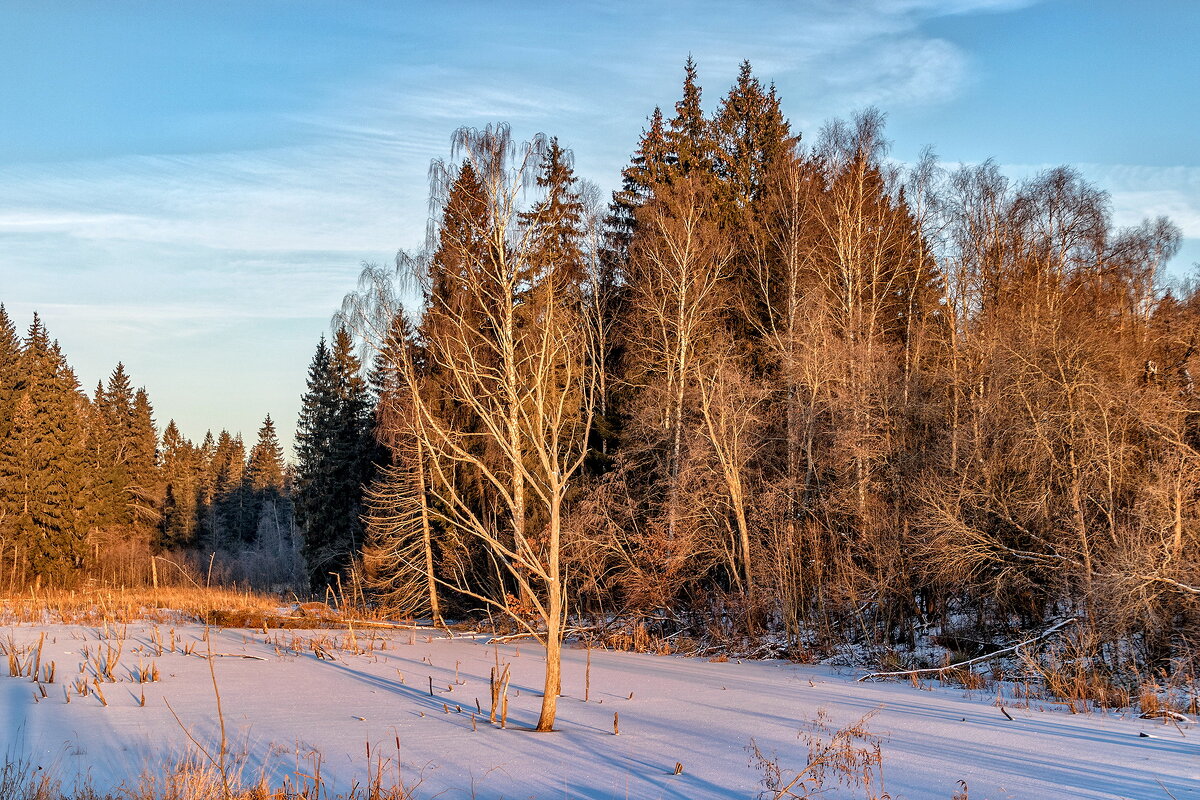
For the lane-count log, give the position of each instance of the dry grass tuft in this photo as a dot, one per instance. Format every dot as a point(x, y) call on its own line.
point(849, 757)
point(105, 606)
point(194, 779)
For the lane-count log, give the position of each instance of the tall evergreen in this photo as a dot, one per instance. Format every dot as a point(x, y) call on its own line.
point(144, 483)
point(113, 437)
point(265, 469)
point(203, 456)
point(312, 434)
point(265, 484)
point(125, 449)
point(11, 381)
point(226, 510)
point(556, 224)
point(647, 168)
point(689, 136)
point(386, 377)
point(463, 241)
point(336, 452)
point(752, 138)
point(43, 463)
point(755, 157)
point(177, 524)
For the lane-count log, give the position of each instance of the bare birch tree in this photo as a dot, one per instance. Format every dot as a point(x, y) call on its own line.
point(502, 334)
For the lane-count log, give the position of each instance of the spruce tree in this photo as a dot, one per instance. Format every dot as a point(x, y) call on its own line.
point(113, 435)
point(755, 156)
point(386, 379)
point(125, 451)
point(556, 225)
point(204, 534)
point(313, 430)
point(667, 151)
point(752, 138)
point(11, 380)
point(336, 452)
point(266, 476)
point(143, 460)
point(463, 242)
point(265, 468)
point(647, 168)
point(43, 463)
point(177, 524)
point(227, 510)
point(689, 135)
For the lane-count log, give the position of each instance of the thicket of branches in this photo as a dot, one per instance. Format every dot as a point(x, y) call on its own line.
point(784, 386)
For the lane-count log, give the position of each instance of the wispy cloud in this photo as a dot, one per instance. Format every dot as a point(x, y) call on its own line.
point(949, 7)
point(265, 239)
point(1138, 192)
point(19, 221)
point(905, 74)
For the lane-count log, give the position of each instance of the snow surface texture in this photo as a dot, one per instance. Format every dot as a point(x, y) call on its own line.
point(281, 710)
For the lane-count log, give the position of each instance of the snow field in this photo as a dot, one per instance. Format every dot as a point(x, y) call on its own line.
point(308, 700)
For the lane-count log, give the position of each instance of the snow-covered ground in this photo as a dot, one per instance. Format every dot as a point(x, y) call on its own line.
point(292, 704)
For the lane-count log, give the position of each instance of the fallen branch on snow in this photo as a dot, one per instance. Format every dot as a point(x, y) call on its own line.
point(568, 633)
point(511, 637)
point(392, 625)
point(1012, 649)
point(1175, 715)
point(231, 655)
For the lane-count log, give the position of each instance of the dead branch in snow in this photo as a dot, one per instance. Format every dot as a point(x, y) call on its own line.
point(394, 625)
point(568, 633)
point(231, 655)
point(1012, 649)
point(1171, 715)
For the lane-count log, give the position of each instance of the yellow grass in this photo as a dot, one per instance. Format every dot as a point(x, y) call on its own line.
point(194, 779)
point(219, 606)
point(105, 605)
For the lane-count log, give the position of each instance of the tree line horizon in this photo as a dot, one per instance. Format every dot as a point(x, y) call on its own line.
point(770, 386)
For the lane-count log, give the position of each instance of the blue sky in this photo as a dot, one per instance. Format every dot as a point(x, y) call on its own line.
point(190, 187)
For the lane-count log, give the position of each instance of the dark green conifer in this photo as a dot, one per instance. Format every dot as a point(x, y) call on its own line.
point(689, 136)
point(112, 433)
point(335, 450)
point(647, 168)
point(144, 488)
point(203, 465)
point(44, 471)
point(755, 156)
point(125, 449)
point(752, 138)
point(556, 225)
point(179, 472)
point(265, 467)
point(463, 242)
point(266, 484)
point(227, 509)
point(11, 380)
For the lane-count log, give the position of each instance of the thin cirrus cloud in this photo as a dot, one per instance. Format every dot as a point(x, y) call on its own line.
point(17, 221)
point(1139, 192)
point(907, 73)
